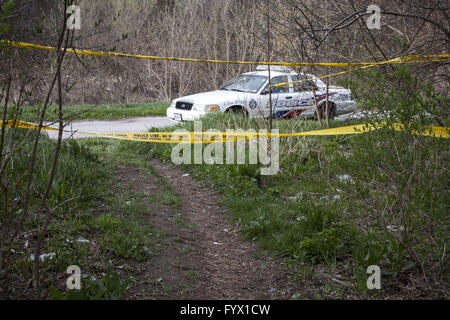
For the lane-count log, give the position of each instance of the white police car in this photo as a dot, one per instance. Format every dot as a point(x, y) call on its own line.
point(249, 94)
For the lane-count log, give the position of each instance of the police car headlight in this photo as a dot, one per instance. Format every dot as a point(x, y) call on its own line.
point(172, 105)
point(198, 107)
point(205, 108)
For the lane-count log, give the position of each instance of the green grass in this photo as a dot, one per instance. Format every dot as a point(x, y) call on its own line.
point(119, 232)
point(192, 275)
point(98, 112)
point(94, 225)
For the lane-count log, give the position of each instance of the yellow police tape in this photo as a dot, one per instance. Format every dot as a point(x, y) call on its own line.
point(408, 59)
point(211, 137)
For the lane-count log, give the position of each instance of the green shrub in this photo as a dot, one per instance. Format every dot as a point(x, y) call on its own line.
point(402, 175)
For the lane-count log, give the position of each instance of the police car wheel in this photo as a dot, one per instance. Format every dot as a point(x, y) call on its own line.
point(237, 110)
point(331, 111)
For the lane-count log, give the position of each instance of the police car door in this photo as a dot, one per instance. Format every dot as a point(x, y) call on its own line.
point(303, 95)
point(281, 98)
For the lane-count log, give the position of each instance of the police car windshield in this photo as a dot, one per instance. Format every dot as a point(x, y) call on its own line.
point(246, 83)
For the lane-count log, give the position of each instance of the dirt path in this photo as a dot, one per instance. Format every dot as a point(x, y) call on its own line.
point(204, 256)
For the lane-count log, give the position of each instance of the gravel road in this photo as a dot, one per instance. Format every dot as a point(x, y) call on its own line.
point(141, 124)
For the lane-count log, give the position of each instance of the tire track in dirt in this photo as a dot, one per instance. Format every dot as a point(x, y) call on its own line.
point(225, 264)
point(230, 270)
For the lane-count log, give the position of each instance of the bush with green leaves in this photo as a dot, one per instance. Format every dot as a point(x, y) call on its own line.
point(404, 173)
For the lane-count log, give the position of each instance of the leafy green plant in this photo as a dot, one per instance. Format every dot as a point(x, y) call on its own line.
point(366, 253)
point(324, 246)
point(107, 223)
point(374, 249)
point(108, 288)
point(125, 245)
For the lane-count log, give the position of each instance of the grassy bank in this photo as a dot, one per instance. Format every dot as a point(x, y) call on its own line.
point(96, 224)
point(98, 112)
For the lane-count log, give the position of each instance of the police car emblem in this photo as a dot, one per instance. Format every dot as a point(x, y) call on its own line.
point(253, 104)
